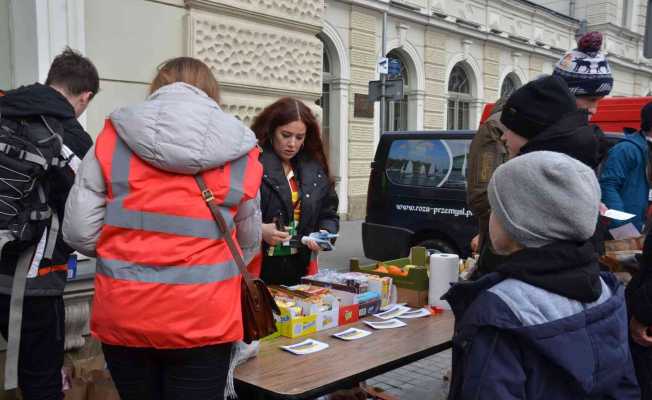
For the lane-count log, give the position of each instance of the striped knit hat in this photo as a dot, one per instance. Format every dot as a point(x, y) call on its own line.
point(586, 69)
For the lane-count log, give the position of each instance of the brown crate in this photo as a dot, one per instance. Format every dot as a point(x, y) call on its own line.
point(413, 298)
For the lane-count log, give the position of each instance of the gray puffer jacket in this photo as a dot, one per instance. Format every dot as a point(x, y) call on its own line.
point(177, 129)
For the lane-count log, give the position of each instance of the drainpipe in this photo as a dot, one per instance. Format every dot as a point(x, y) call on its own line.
point(383, 77)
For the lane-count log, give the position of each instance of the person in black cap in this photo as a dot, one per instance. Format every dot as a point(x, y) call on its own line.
point(543, 115)
point(624, 179)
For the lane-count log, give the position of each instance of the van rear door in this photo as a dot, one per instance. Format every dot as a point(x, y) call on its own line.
point(418, 189)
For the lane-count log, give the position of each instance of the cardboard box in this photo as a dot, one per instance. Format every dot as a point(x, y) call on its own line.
point(291, 323)
point(417, 278)
point(413, 298)
point(349, 309)
point(327, 312)
point(349, 314)
point(369, 308)
point(383, 286)
point(352, 287)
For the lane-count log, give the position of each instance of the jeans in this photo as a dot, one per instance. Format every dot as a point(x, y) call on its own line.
point(153, 374)
point(41, 346)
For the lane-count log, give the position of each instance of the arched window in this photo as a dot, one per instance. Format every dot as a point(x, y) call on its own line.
point(459, 99)
point(510, 84)
point(396, 117)
point(324, 100)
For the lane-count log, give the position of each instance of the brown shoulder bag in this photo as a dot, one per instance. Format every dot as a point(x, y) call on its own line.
point(258, 305)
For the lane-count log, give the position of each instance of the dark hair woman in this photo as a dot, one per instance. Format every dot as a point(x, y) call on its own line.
point(297, 194)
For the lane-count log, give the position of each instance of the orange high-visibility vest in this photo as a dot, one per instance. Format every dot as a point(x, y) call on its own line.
point(165, 277)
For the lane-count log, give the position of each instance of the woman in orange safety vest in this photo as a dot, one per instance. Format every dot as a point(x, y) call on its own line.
point(167, 289)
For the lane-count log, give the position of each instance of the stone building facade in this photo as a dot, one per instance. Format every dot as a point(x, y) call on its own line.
point(454, 56)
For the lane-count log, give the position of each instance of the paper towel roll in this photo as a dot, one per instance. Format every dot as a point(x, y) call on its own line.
point(444, 269)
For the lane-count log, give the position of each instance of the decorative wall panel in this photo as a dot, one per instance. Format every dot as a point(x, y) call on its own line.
point(252, 54)
point(306, 11)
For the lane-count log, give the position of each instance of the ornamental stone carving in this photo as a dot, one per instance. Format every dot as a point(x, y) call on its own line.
point(253, 54)
point(306, 11)
point(244, 112)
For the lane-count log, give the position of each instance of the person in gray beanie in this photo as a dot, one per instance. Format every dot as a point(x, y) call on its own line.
point(556, 199)
point(548, 324)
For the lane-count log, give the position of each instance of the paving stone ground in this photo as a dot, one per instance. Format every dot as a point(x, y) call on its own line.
point(421, 380)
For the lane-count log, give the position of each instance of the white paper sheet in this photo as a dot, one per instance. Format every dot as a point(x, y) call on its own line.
point(422, 312)
point(618, 215)
point(624, 232)
point(392, 312)
point(389, 324)
point(308, 346)
point(352, 334)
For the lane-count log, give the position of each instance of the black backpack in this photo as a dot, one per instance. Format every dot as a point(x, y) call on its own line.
point(29, 148)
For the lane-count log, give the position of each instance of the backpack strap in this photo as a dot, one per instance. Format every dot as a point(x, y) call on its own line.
point(24, 155)
point(6, 236)
point(53, 233)
point(58, 162)
point(16, 317)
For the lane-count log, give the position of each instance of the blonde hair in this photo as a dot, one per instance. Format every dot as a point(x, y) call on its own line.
point(189, 70)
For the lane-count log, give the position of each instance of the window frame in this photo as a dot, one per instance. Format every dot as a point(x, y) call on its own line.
point(392, 122)
point(459, 96)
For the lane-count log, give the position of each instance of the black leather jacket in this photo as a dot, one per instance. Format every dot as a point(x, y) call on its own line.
point(318, 197)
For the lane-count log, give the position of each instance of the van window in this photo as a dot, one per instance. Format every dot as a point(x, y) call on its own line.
point(428, 163)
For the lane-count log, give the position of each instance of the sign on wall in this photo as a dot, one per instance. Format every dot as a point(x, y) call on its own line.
point(362, 107)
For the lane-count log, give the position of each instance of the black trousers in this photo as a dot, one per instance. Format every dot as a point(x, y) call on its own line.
point(152, 374)
point(642, 357)
point(41, 346)
point(284, 270)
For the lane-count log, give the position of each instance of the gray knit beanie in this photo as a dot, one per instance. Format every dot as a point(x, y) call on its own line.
point(544, 197)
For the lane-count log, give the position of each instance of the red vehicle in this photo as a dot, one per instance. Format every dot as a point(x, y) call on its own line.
point(614, 113)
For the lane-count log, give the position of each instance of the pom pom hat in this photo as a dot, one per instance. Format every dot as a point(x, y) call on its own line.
point(586, 69)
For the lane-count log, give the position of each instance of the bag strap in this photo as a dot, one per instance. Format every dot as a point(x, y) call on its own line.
point(214, 207)
point(16, 317)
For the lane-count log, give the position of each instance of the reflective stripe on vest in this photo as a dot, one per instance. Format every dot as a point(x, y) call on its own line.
point(119, 216)
point(168, 274)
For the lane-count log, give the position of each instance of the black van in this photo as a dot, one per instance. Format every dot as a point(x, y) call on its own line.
point(417, 195)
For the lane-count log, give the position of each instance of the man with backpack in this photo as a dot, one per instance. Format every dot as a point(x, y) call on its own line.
point(41, 145)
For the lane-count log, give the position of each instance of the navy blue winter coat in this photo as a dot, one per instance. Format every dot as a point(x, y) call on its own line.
point(514, 340)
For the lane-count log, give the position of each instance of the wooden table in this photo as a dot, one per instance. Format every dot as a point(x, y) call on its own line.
point(281, 374)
